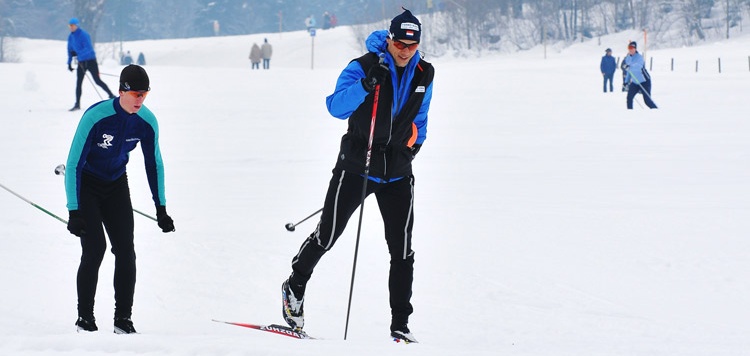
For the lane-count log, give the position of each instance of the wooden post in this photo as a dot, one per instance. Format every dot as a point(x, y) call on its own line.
point(672, 68)
point(651, 63)
point(719, 64)
point(696, 66)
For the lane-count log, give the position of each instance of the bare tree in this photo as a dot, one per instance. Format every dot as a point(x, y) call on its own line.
point(7, 29)
point(89, 12)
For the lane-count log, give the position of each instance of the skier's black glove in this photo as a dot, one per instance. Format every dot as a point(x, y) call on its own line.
point(70, 68)
point(165, 222)
point(376, 75)
point(76, 223)
point(625, 67)
point(414, 149)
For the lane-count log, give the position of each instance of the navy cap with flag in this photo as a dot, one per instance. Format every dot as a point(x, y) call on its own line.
point(405, 27)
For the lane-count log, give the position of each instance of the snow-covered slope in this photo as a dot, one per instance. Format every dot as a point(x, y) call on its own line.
point(549, 219)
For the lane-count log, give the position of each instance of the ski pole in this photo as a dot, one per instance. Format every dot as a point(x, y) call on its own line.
point(638, 102)
point(364, 194)
point(291, 226)
point(92, 84)
point(642, 88)
point(36, 206)
point(60, 170)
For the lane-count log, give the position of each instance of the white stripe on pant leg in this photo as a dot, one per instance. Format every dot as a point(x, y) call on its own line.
point(296, 258)
point(335, 210)
point(408, 218)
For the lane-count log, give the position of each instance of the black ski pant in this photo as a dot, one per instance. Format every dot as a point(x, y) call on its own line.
point(643, 88)
point(396, 203)
point(91, 66)
point(106, 206)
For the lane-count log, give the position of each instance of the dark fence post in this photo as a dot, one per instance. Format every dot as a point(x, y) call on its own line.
point(696, 66)
point(672, 64)
point(719, 64)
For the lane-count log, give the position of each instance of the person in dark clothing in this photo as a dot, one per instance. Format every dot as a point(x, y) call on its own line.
point(79, 45)
point(393, 70)
point(608, 68)
point(98, 195)
point(637, 77)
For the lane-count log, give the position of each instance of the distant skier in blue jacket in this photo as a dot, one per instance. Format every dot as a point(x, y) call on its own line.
point(98, 195)
point(79, 45)
point(608, 68)
point(636, 77)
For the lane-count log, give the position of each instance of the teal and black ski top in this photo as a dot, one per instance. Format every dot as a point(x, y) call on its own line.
point(101, 147)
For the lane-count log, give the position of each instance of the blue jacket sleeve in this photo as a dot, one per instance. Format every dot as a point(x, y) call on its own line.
point(349, 93)
point(70, 48)
point(421, 119)
point(79, 150)
point(152, 158)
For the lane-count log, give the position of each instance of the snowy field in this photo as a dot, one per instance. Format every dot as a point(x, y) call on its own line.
point(550, 220)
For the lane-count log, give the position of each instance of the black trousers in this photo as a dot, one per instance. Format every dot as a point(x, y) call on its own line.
point(92, 67)
point(106, 206)
point(645, 89)
point(396, 203)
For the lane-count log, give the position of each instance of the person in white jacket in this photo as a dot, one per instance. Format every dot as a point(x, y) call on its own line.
point(266, 51)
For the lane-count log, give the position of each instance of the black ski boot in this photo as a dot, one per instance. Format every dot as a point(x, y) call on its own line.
point(402, 333)
point(292, 308)
point(86, 324)
point(124, 326)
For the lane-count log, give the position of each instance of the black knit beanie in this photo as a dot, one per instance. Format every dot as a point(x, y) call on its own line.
point(134, 77)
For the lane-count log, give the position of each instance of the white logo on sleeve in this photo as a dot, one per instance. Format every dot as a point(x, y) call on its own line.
point(107, 141)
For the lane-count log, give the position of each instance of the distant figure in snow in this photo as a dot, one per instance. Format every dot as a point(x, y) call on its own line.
point(310, 22)
point(326, 20)
point(141, 59)
point(126, 59)
point(334, 21)
point(79, 45)
point(638, 79)
point(266, 51)
point(608, 66)
point(255, 56)
point(217, 28)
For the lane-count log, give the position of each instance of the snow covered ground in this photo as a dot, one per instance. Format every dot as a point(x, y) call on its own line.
point(549, 219)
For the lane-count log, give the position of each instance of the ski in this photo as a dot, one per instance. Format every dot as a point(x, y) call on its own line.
point(272, 328)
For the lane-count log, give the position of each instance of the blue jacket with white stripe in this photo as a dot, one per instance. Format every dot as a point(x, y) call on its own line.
point(101, 147)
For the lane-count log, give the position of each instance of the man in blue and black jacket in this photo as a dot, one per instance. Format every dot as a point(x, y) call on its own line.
point(80, 46)
point(394, 94)
point(608, 66)
point(98, 195)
